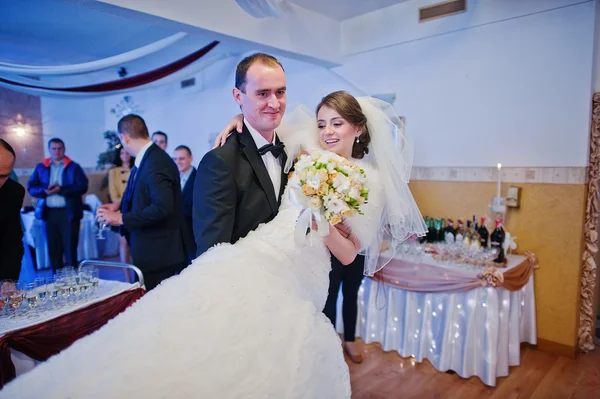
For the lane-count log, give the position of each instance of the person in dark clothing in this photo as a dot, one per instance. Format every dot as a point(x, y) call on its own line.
point(11, 233)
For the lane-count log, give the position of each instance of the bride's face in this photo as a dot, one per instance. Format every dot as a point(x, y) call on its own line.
point(335, 133)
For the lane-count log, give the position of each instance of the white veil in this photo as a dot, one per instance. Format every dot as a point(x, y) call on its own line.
point(391, 153)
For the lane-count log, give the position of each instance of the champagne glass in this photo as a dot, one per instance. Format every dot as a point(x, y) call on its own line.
point(52, 287)
point(101, 226)
point(15, 297)
point(6, 286)
point(42, 291)
point(31, 295)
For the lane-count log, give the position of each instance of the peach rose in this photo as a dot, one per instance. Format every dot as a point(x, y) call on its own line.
point(308, 190)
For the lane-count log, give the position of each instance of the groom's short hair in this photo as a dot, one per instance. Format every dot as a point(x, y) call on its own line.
point(246, 63)
point(133, 126)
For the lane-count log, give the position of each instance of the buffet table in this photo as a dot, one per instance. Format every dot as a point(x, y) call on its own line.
point(25, 340)
point(459, 317)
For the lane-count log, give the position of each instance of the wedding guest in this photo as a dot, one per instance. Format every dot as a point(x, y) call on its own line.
point(160, 139)
point(11, 198)
point(59, 183)
point(187, 175)
point(117, 182)
point(150, 213)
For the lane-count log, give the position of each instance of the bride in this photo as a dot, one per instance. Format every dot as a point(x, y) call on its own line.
point(245, 320)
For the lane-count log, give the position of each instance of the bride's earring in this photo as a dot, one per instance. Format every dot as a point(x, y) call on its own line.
point(357, 140)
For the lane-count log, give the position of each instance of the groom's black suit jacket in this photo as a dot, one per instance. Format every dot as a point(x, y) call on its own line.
point(233, 193)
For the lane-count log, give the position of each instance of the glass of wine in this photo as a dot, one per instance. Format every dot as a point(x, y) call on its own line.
point(31, 295)
point(101, 226)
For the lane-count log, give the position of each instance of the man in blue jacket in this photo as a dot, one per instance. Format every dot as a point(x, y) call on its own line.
point(59, 183)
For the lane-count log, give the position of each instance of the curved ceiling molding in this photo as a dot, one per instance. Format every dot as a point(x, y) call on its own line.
point(92, 66)
point(116, 86)
point(262, 8)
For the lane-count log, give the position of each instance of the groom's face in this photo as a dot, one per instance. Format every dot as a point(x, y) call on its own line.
point(263, 100)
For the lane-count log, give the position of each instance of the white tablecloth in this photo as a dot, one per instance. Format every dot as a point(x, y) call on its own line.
point(88, 247)
point(474, 333)
point(106, 289)
point(22, 362)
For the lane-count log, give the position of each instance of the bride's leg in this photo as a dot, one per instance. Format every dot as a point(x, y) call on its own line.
point(335, 278)
point(350, 286)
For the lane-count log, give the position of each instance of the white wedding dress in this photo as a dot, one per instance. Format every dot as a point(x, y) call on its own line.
point(242, 321)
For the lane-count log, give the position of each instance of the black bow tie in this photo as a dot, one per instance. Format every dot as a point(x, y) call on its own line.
point(276, 149)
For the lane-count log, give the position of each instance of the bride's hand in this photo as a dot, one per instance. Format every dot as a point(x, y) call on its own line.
point(236, 123)
point(343, 229)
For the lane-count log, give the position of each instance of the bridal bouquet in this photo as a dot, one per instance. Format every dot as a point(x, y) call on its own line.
point(328, 187)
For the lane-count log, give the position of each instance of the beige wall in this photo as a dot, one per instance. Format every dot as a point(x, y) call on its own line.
point(548, 223)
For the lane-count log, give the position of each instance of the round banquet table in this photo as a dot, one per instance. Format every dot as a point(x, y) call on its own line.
point(459, 321)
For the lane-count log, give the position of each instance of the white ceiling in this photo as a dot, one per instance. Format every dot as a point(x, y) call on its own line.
point(344, 9)
point(46, 32)
point(51, 33)
point(64, 32)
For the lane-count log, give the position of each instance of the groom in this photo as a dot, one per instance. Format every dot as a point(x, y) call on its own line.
point(239, 185)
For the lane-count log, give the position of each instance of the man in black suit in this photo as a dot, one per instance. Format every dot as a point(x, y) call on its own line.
point(239, 185)
point(150, 213)
point(11, 234)
point(187, 175)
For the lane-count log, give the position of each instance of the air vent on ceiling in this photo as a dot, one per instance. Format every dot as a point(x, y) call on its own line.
point(188, 83)
point(442, 10)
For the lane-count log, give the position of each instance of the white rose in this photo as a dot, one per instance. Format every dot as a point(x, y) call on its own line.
point(341, 183)
point(315, 202)
point(336, 206)
point(295, 180)
point(328, 198)
point(304, 163)
point(325, 156)
point(313, 180)
point(302, 175)
point(354, 193)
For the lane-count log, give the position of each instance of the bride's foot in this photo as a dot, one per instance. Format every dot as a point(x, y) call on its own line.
point(354, 350)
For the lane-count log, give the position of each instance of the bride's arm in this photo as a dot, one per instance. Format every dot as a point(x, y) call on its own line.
point(344, 248)
point(236, 123)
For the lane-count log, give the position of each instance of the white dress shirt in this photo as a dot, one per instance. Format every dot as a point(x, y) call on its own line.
point(140, 156)
point(183, 177)
point(272, 164)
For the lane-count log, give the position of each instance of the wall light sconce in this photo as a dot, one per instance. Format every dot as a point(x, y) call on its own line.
point(20, 129)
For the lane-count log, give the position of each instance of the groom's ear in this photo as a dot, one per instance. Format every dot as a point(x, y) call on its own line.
point(237, 95)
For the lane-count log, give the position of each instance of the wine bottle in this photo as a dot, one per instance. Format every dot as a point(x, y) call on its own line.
point(467, 235)
point(497, 239)
point(483, 234)
point(474, 237)
point(459, 233)
point(442, 231)
point(449, 232)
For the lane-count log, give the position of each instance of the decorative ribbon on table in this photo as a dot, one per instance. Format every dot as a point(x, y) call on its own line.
point(304, 223)
point(421, 277)
point(44, 340)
